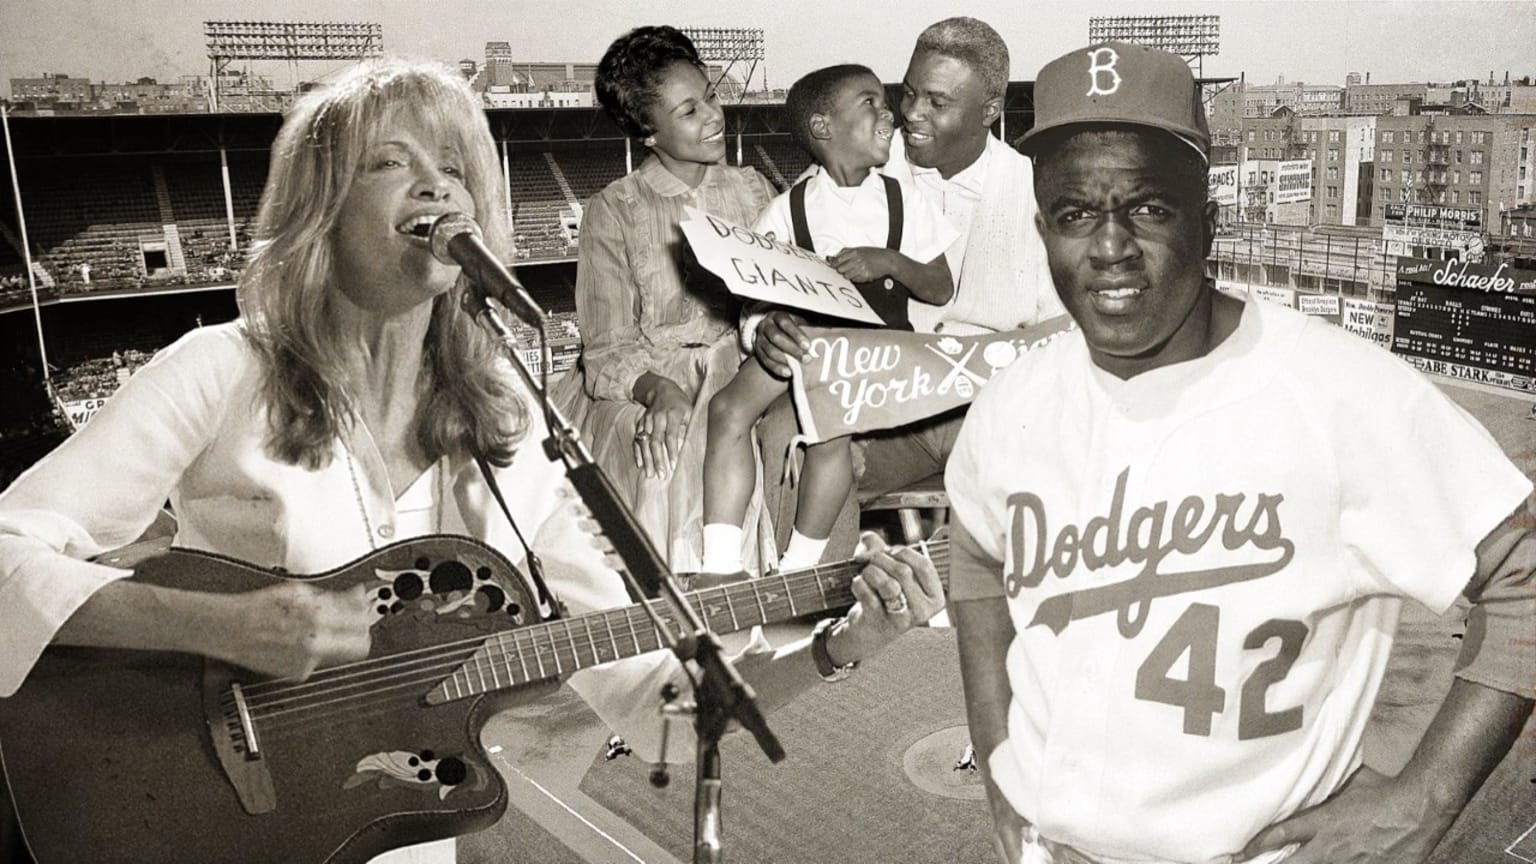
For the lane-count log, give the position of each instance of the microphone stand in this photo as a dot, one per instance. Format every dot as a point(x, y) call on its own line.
point(721, 695)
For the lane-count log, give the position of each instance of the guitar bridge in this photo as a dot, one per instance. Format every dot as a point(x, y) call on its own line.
point(247, 728)
point(233, 732)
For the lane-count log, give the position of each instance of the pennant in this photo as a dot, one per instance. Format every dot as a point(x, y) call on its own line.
point(867, 379)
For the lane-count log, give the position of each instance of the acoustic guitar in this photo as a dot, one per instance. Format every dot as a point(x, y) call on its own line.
point(139, 756)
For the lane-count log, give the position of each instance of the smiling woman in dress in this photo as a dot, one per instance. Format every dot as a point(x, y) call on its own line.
point(659, 337)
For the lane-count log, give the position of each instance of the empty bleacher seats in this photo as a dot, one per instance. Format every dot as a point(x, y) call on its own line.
point(588, 170)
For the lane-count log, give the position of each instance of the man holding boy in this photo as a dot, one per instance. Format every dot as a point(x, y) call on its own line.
point(1183, 537)
point(885, 237)
point(952, 96)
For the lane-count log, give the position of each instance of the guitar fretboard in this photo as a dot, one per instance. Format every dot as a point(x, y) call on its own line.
point(547, 650)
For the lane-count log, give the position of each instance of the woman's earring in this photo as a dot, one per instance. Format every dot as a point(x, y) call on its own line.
point(650, 141)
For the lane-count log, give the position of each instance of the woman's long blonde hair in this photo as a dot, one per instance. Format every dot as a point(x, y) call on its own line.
point(288, 288)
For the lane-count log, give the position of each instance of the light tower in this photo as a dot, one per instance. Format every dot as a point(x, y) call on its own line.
point(729, 45)
point(287, 40)
point(1190, 36)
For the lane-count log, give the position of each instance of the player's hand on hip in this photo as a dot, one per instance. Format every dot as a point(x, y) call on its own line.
point(1373, 819)
point(1008, 827)
point(292, 629)
point(897, 588)
point(779, 338)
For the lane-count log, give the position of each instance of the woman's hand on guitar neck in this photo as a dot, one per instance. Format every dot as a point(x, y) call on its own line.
point(292, 629)
point(890, 574)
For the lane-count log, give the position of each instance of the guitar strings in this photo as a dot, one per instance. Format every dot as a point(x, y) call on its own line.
point(281, 714)
point(291, 698)
point(700, 599)
point(526, 638)
point(284, 703)
point(795, 583)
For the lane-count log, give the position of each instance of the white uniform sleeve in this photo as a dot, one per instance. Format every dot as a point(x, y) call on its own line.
point(1421, 483)
point(100, 489)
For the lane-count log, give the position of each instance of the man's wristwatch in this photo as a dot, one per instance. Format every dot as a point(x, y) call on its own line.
point(824, 666)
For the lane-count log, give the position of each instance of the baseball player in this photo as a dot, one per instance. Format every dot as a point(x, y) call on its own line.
point(1184, 533)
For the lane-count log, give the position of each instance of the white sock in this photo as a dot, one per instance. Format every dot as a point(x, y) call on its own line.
point(802, 552)
point(722, 548)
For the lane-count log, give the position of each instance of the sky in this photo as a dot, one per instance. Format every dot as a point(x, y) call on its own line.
point(1301, 40)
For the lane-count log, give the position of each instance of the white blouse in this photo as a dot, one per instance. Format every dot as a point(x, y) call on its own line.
point(189, 427)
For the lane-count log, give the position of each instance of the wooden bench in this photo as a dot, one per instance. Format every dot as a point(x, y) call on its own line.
point(908, 501)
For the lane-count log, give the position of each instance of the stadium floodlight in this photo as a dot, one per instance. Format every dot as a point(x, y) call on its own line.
point(288, 40)
point(1190, 36)
point(729, 45)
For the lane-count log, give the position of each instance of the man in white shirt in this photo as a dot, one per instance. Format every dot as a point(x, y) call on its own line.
point(952, 95)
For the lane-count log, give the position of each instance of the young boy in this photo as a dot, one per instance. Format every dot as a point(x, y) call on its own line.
point(886, 239)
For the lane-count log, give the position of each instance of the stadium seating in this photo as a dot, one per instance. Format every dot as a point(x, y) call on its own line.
point(102, 212)
point(589, 170)
point(537, 200)
point(780, 159)
point(102, 215)
point(195, 189)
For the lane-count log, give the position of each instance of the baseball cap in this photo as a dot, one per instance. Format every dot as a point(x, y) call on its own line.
point(1119, 82)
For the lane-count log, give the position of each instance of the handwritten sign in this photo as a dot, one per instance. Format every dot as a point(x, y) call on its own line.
point(757, 266)
point(862, 380)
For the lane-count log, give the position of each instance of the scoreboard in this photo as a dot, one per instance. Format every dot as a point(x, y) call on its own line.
point(1471, 321)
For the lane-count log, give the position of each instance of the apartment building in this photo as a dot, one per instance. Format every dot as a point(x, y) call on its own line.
point(1343, 150)
point(1476, 161)
point(1380, 98)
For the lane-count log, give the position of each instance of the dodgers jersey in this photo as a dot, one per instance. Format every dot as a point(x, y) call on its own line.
point(1204, 566)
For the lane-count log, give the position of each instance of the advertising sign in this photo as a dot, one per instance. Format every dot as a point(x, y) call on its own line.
point(1318, 304)
point(1434, 216)
point(80, 410)
point(1476, 322)
point(1369, 320)
point(1282, 296)
point(1223, 184)
point(1293, 181)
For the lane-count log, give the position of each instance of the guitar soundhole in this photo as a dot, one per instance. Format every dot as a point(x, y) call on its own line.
point(448, 588)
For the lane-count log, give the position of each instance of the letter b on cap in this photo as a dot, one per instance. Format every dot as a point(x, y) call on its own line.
point(1101, 62)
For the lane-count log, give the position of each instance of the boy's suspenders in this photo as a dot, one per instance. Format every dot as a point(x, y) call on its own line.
point(881, 294)
point(896, 217)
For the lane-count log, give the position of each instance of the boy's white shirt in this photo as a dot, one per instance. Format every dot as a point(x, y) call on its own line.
point(840, 217)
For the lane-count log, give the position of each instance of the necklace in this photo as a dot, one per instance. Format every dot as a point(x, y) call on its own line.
point(362, 506)
point(439, 497)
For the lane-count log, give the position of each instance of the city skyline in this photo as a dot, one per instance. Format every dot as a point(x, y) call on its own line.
point(1314, 42)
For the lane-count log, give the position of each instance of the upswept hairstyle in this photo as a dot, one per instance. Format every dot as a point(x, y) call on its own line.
point(814, 94)
point(288, 288)
point(631, 70)
point(974, 43)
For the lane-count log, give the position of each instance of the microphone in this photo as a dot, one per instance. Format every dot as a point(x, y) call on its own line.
point(456, 239)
